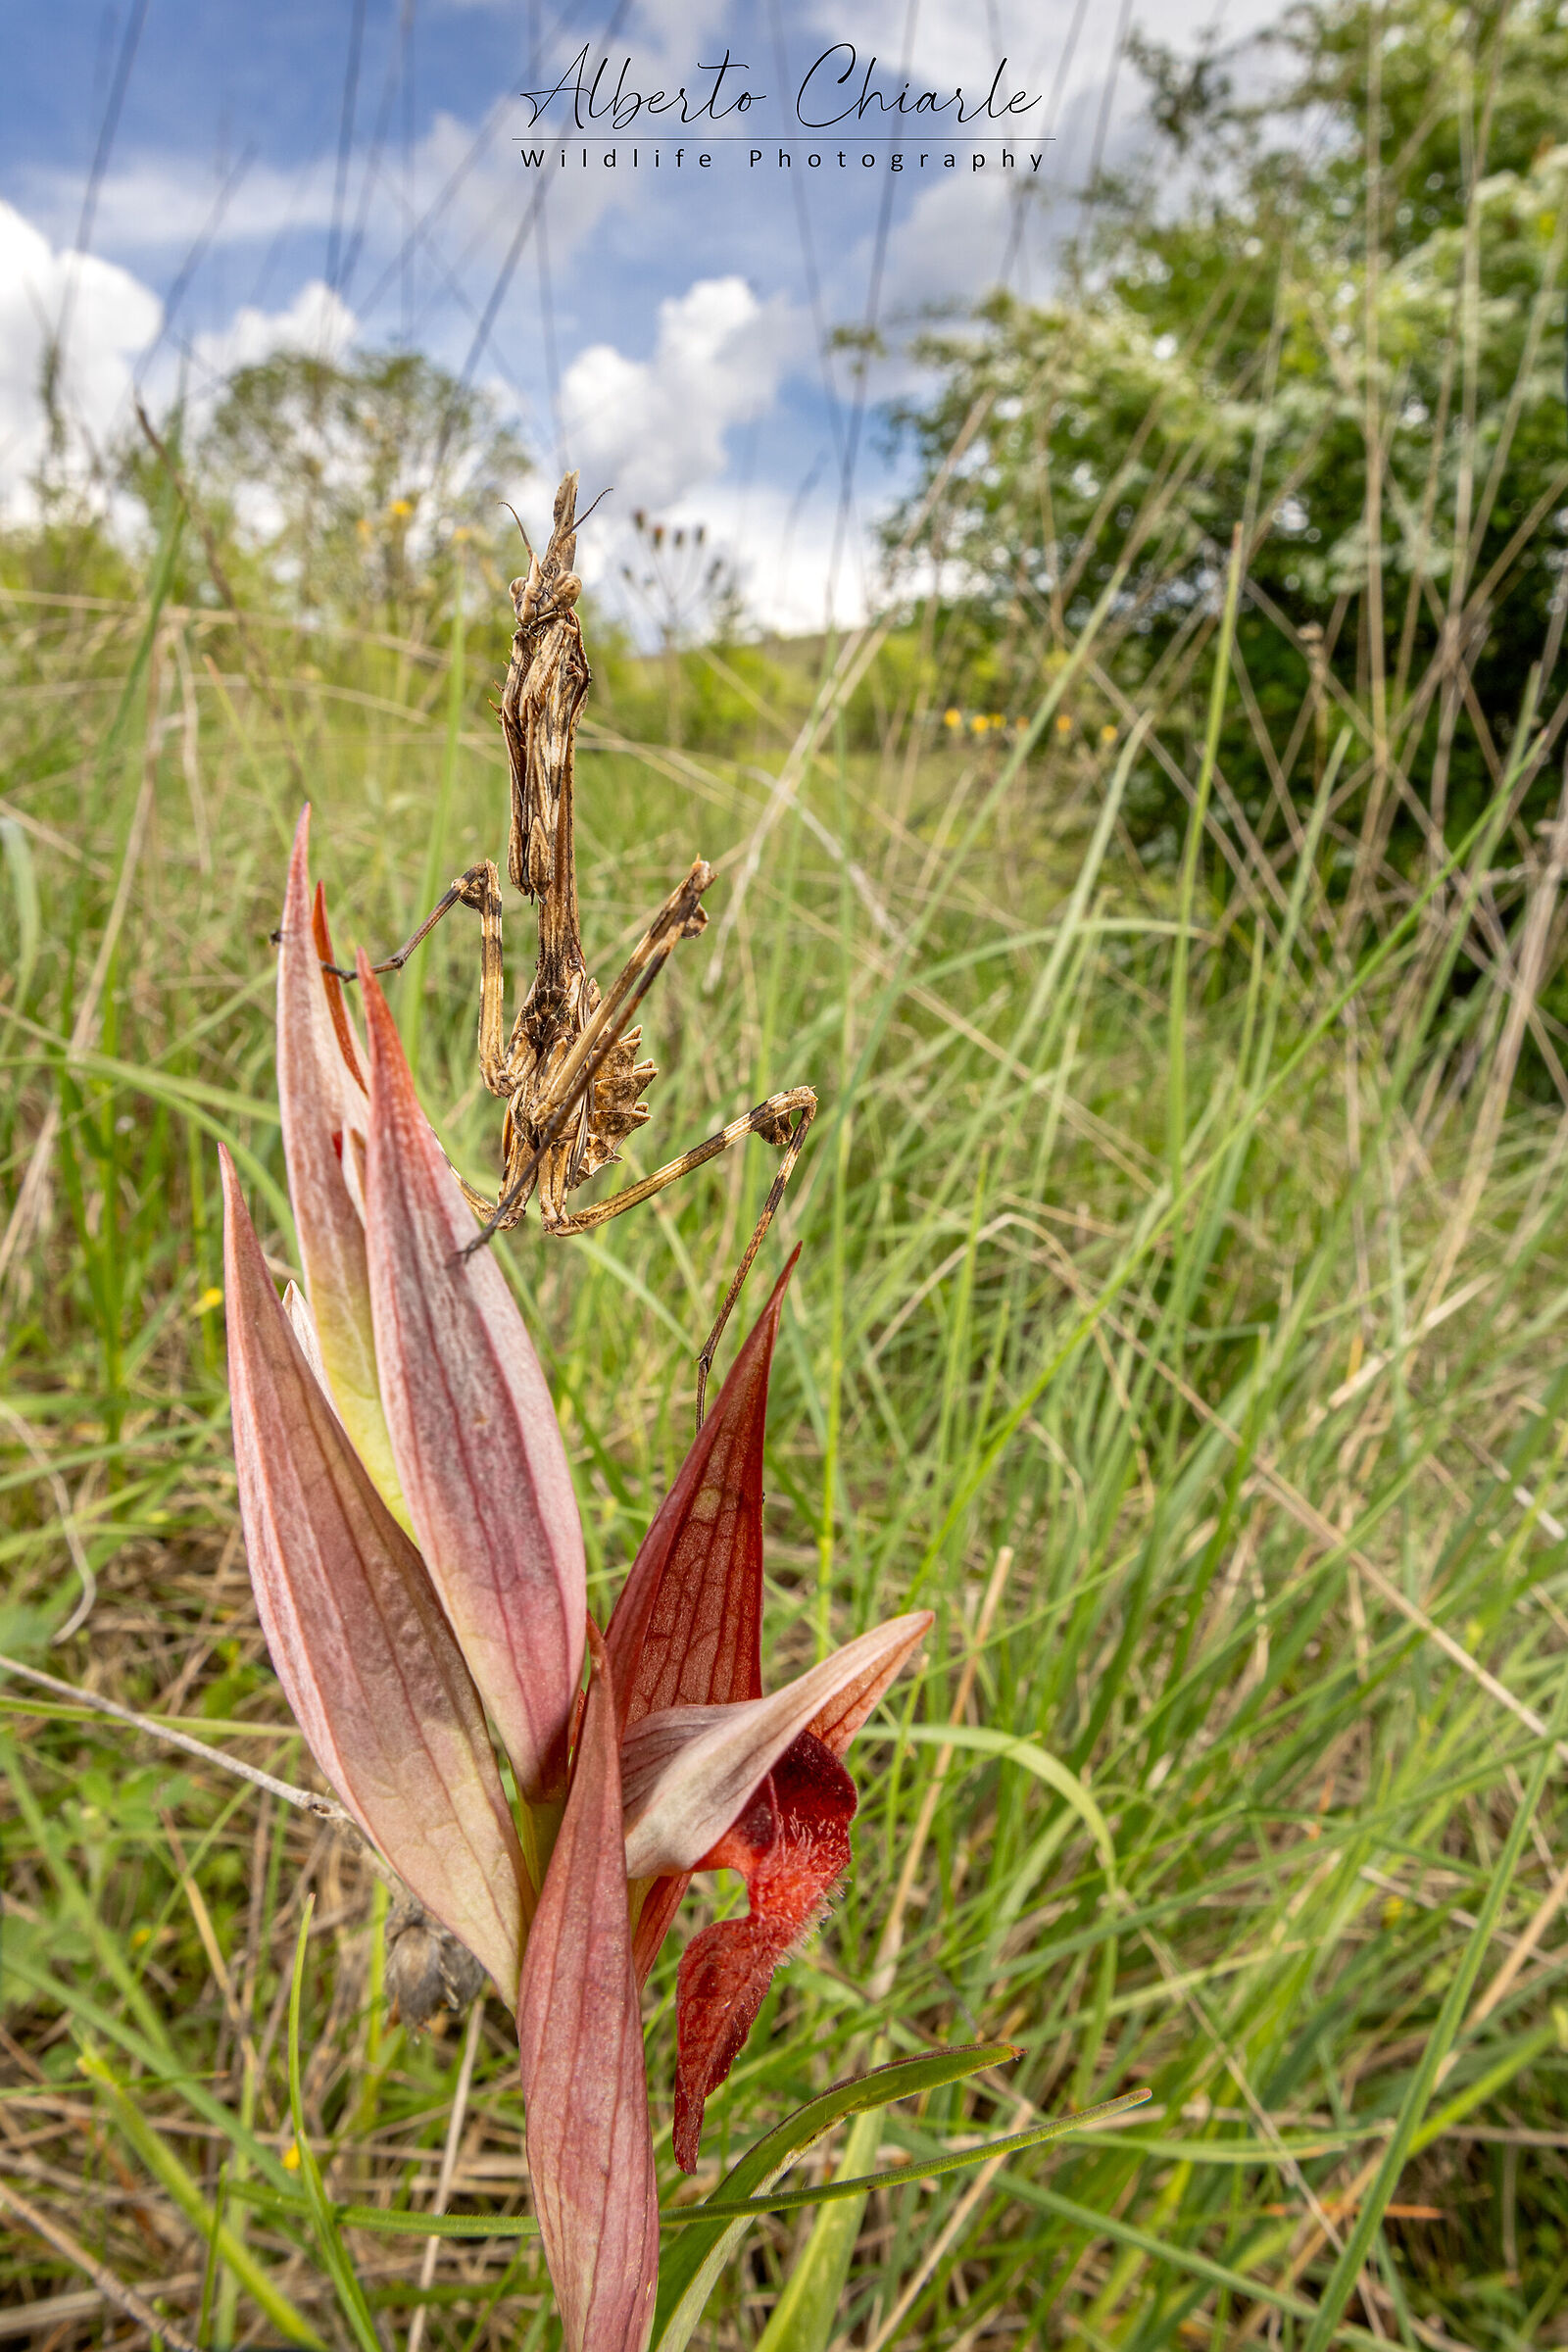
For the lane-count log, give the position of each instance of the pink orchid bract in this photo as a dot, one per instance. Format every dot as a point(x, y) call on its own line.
point(417, 1560)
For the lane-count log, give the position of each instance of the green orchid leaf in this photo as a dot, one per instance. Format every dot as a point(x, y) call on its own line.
point(926, 2167)
point(707, 2238)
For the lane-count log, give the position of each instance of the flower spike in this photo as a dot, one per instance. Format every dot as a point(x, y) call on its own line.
point(366, 1658)
point(580, 2040)
point(396, 1400)
point(475, 1434)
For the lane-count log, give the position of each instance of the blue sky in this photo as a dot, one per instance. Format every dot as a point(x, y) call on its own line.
point(661, 326)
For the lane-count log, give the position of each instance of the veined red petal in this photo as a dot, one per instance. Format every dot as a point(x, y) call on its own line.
point(688, 1772)
point(853, 1699)
point(473, 1429)
point(687, 1627)
point(319, 1103)
point(579, 2035)
point(366, 1658)
point(342, 1026)
point(792, 1843)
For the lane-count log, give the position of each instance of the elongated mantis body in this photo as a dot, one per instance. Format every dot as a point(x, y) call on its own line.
point(569, 1072)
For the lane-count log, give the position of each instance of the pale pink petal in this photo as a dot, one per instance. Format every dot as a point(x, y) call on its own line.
point(366, 1658)
point(320, 1105)
point(474, 1433)
point(688, 1772)
point(304, 1330)
point(579, 2035)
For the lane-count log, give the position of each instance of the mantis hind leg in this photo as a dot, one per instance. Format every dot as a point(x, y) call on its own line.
point(782, 1120)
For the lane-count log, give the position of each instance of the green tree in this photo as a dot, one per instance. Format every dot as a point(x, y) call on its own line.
point(350, 477)
point(1370, 259)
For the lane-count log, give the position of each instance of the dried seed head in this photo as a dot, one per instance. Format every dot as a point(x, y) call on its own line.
point(426, 1968)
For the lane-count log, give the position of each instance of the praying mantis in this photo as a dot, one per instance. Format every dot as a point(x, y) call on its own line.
point(568, 1071)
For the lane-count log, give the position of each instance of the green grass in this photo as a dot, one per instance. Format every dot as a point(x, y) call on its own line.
point(1204, 1374)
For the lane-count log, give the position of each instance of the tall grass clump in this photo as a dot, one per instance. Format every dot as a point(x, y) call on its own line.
point(1181, 1316)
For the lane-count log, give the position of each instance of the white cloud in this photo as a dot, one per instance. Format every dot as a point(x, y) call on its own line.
point(787, 551)
point(317, 321)
point(107, 316)
point(680, 27)
point(162, 200)
point(656, 427)
point(957, 41)
point(167, 199)
point(108, 319)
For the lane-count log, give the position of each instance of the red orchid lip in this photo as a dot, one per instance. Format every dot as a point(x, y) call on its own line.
point(792, 1847)
point(767, 1795)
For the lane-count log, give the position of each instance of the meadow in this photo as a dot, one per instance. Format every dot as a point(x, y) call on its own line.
point(1180, 1316)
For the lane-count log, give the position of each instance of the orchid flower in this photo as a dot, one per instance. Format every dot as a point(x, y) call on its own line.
point(684, 1644)
point(418, 1560)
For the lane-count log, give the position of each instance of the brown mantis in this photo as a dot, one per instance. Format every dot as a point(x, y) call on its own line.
point(568, 1073)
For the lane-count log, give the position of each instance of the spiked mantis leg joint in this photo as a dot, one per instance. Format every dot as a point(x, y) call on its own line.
point(568, 1071)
